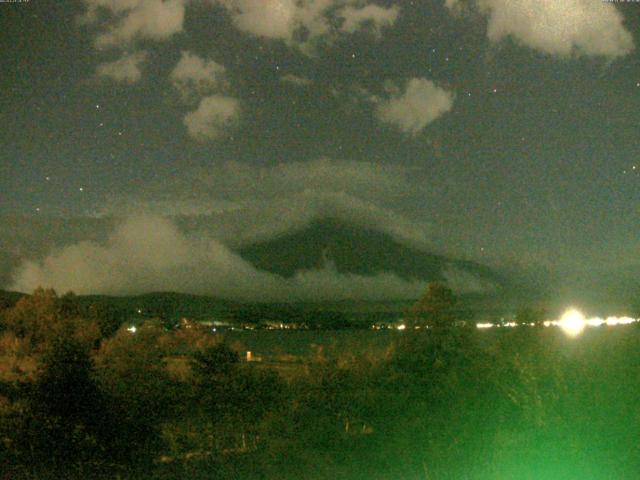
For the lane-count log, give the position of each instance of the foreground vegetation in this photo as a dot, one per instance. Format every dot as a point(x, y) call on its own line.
point(83, 397)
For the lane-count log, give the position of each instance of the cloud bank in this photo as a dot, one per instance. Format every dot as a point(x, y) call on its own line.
point(182, 234)
point(149, 253)
point(239, 203)
point(302, 22)
point(563, 28)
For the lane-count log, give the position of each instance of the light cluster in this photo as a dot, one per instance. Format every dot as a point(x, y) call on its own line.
point(572, 322)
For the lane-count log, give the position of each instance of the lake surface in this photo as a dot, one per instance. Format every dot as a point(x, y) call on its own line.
point(305, 342)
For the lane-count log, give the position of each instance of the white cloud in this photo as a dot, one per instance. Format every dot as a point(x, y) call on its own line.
point(135, 19)
point(588, 27)
point(275, 19)
point(296, 80)
point(213, 116)
point(421, 103)
point(149, 253)
point(259, 220)
point(312, 16)
point(301, 22)
point(194, 76)
point(241, 204)
point(125, 70)
point(378, 17)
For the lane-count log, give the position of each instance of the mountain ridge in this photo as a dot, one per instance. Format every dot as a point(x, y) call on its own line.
point(356, 250)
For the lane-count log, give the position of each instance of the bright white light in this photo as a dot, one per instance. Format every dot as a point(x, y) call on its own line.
point(595, 322)
point(401, 327)
point(132, 329)
point(572, 322)
point(611, 321)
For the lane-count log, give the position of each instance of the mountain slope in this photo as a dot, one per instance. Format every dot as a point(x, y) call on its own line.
point(355, 250)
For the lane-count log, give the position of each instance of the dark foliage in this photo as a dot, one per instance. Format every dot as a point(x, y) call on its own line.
point(443, 402)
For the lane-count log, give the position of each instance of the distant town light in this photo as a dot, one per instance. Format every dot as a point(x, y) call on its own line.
point(572, 322)
point(611, 321)
point(595, 322)
point(132, 329)
point(484, 325)
point(401, 327)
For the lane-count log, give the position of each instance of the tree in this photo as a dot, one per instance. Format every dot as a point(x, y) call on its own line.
point(435, 309)
point(64, 427)
point(108, 317)
point(42, 317)
point(213, 362)
point(131, 371)
point(235, 397)
point(34, 317)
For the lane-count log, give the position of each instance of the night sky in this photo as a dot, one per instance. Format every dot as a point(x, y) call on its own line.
point(503, 131)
